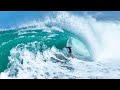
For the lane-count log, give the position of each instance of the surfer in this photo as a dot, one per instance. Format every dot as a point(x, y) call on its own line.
point(70, 51)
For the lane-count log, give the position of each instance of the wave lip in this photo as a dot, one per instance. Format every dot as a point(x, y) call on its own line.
point(37, 49)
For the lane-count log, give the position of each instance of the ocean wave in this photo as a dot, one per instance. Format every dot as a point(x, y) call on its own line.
point(37, 49)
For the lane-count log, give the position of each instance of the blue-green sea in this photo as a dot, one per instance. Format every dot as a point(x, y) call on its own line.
point(33, 45)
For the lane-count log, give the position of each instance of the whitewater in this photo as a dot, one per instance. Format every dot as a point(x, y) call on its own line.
point(36, 50)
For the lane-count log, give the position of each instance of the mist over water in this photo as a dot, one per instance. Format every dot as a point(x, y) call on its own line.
point(36, 49)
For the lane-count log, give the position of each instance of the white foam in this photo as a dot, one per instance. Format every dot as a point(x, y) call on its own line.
point(102, 36)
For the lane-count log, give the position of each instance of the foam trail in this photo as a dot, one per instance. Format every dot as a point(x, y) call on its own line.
point(34, 52)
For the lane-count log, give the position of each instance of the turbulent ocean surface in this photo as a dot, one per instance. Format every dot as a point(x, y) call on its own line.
point(36, 49)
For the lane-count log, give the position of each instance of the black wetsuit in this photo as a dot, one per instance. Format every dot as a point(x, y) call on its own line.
point(70, 51)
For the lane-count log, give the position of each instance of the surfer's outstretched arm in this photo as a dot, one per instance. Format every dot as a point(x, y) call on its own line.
point(68, 47)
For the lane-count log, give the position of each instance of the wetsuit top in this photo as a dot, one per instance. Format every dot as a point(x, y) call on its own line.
point(70, 51)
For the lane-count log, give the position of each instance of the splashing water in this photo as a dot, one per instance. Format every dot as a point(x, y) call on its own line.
point(37, 50)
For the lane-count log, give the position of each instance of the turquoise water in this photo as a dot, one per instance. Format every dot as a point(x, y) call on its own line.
point(36, 49)
point(12, 38)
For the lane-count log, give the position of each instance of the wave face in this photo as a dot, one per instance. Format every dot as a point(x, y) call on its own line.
point(37, 49)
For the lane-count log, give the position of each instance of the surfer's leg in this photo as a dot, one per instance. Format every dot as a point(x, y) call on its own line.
point(71, 55)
